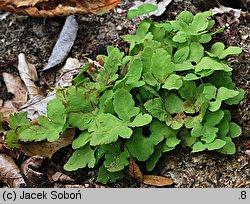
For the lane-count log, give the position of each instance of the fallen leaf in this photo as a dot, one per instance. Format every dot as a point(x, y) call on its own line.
point(28, 74)
point(247, 144)
point(7, 109)
point(10, 173)
point(160, 4)
point(226, 15)
point(51, 8)
point(37, 106)
point(134, 170)
point(47, 149)
point(157, 180)
point(61, 177)
point(64, 43)
point(30, 169)
point(71, 68)
point(16, 86)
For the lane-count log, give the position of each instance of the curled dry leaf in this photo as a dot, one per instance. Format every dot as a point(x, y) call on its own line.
point(51, 8)
point(64, 43)
point(61, 177)
point(28, 74)
point(157, 180)
point(16, 86)
point(134, 170)
point(47, 149)
point(10, 173)
point(30, 169)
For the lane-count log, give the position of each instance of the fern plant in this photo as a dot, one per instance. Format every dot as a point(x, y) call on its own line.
point(168, 91)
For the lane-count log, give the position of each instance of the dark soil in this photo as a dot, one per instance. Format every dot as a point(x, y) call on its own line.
point(35, 37)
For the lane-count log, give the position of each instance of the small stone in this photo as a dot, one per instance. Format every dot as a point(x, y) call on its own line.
point(247, 152)
point(244, 37)
point(119, 10)
point(119, 27)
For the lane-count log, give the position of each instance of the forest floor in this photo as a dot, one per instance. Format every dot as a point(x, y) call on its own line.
point(36, 37)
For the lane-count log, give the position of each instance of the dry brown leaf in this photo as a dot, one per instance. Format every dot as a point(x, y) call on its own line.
point(47, 149)
point(9, 172)
point(157, 180)
point(16, 86)
point(7, 109)
point(247, 144)
point(51, 8)
point(30, 169)
point(28, 74)
point(134, 170)
point(21, 3)
point(61, 177)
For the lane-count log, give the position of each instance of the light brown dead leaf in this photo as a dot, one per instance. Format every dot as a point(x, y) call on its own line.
point(7, 109)
point(47, 149)
point(9, 172)
point(51, 8)
point(16, 86)
point(134, 170)
point(28, 74)
point(61, 177)
point(157, 180)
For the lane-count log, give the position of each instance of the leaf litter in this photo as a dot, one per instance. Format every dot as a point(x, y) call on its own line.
point(29, 76)
point(10, 172)
point(64, 43)
point(31, 168)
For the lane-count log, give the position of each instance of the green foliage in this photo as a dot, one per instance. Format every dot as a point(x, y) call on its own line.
point(170, 90)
